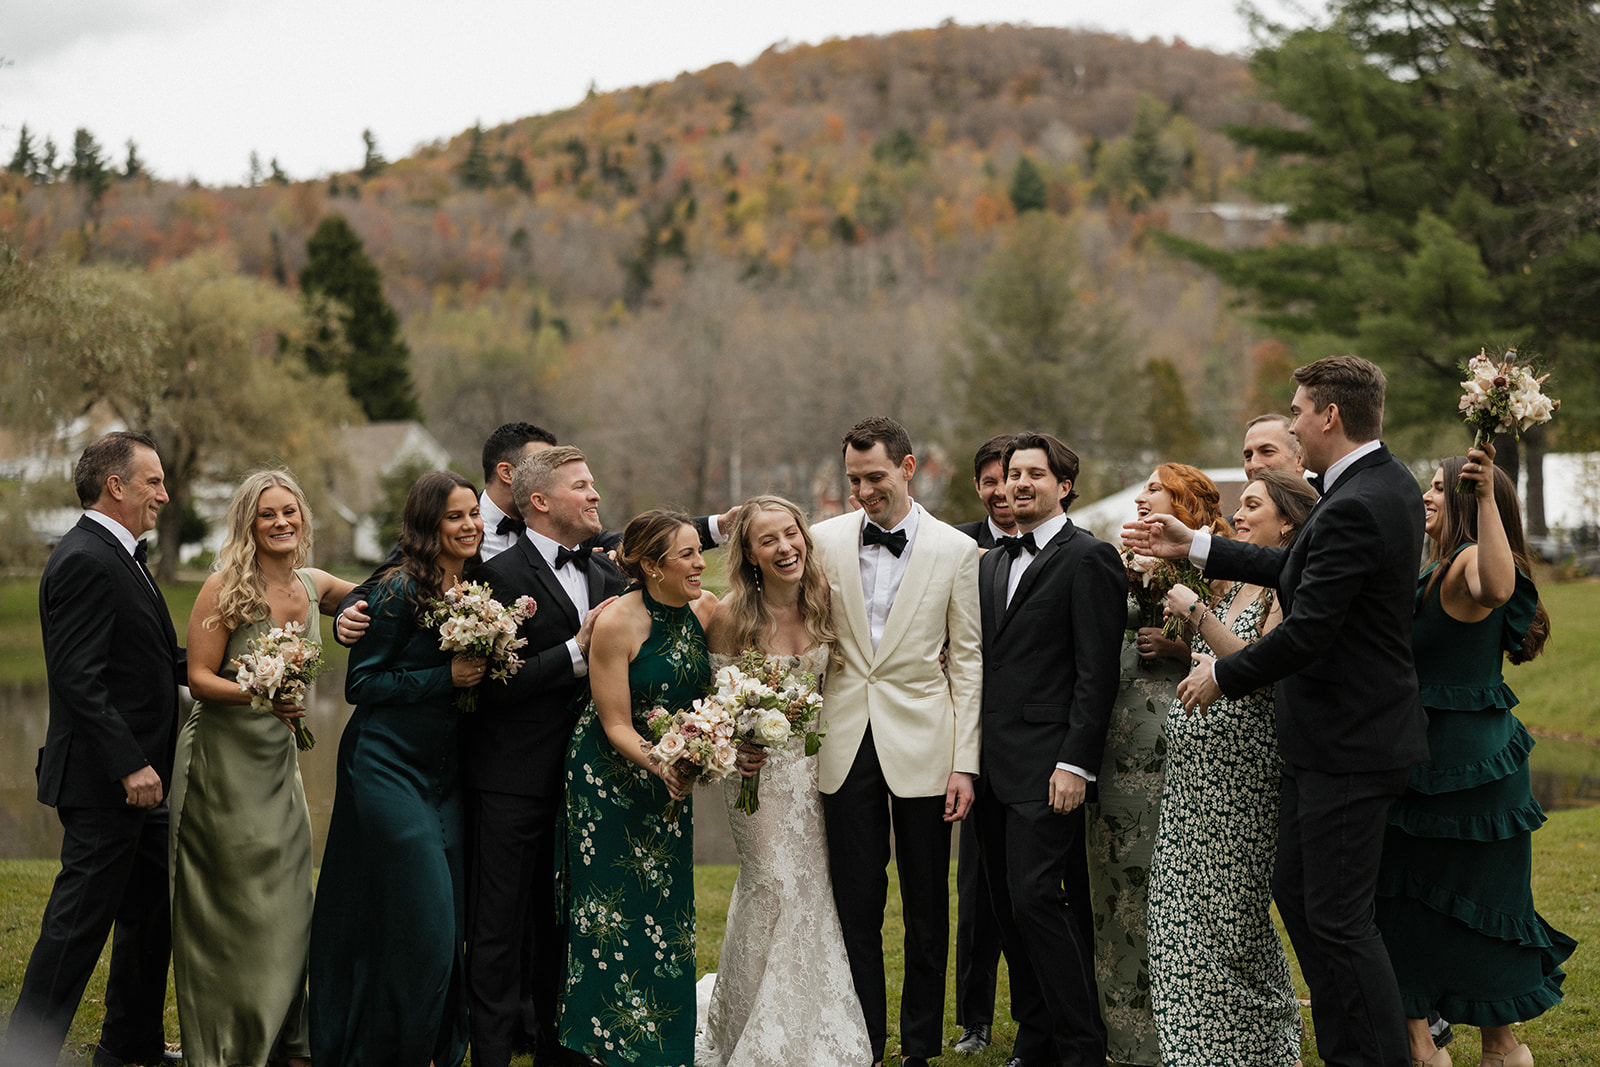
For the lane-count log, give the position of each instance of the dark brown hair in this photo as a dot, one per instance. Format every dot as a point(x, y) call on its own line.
point(111, 454)
point(880, 429)
point(1355, 385)
point(992, 449)
point(1291, 495)
point(1063, 460)
point(648, 537)
point(1458, 525)
point(420, 543)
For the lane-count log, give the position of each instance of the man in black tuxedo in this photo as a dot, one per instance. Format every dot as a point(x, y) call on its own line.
point(1054, 603)
point(513, 750)
point(977, 929)
point(1350, 722)
point(114, 668)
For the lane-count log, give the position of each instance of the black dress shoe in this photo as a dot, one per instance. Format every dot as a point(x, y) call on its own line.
point(973, 1039)
point(104, 1057)
point(913, 1061)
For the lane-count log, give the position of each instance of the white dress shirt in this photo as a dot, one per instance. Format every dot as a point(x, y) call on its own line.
point(493, 543)
point(995, 533)
point(1042, 535)
point(575, 584)
point(124, 538)
point(881, 571)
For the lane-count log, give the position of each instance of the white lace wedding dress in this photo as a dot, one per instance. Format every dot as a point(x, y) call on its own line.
point(784, 996)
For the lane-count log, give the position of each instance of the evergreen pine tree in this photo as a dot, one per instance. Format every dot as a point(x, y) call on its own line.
point(277, 176)
point(134, 166)
point(24, 162)
point(47, 170)
point(474, 171)
point(253, 177)
point(1028, 192)
point(376, 361)
point(372, 162)
point(738, 114)
point(89, 171)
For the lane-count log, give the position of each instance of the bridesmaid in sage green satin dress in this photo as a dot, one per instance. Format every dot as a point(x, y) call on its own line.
point(387, 975)
point(240, 844)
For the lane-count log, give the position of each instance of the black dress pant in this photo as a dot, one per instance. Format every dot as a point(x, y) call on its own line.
point(1330, 839)
point(859, 819)
point(1039, 881)
point(516, 944)
point(113, 875)
point(977, 934)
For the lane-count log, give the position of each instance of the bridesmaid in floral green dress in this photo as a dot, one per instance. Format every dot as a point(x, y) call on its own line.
point(1121, 826)
point(629, 872)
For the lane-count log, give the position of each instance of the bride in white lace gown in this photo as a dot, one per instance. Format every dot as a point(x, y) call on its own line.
point(784, 996)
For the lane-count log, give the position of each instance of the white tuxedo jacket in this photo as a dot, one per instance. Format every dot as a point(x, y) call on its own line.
point(925, 723)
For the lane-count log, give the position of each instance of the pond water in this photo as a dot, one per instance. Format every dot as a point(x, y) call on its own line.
point(29, 830)
point(1565, 774)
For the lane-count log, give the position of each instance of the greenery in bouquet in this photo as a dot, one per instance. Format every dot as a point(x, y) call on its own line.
point(1151, 579)
point(472, 622)
point(697, 743)
point(277, 668)
point(768, 706)
point(1502, 396)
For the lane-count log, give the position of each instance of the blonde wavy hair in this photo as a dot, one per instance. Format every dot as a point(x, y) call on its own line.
point(243, 596)
point(750, 617)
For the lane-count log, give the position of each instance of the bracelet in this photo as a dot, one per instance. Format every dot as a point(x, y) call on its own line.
point(1190, 609)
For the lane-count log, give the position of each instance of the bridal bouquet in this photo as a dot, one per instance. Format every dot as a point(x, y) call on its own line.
point(471, 621)
point(1150, 579)
point(697, 742)
point(768, 705)
point(278, 667)
point(1501, 397)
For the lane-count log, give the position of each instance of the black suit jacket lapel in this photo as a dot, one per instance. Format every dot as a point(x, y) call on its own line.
point(1030, 577)
point(545, 578)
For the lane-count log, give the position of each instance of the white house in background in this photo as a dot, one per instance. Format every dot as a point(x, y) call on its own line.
point(372, 453)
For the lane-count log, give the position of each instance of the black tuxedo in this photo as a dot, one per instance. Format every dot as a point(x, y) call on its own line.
point(979, 531)
point(1350, 724)
point(977, 928)
point(513, 752)
point(114, 668)
point(1050, 679)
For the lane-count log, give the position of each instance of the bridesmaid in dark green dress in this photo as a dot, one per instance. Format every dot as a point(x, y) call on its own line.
point(240, 846)
point(1454, 901)
point(386, 937)
point(629, 873)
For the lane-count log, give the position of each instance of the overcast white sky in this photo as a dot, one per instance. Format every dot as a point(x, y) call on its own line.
point(199, 84)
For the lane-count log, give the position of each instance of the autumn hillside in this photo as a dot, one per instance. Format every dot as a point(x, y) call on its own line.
point(704, 281)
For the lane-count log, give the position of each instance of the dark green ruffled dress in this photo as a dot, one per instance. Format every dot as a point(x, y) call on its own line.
point(629, 873)
point(1454, 901)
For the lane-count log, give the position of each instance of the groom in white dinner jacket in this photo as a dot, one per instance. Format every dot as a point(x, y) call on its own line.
point(903, 731)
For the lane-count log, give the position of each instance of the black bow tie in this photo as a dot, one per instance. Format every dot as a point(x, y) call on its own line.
point(1014, 545)
point(141, 553)
point(578, 557)
point(1315, 482)
point(511, 526)
point(873, 534)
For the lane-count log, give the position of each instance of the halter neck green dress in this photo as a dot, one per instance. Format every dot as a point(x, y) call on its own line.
point(629, 874)
point(1454, 902)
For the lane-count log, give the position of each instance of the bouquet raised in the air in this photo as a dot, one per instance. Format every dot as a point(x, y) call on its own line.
point(697, 743)
point(277, 667)
point(768, 705)
point(1502, 396)
point(1150, 579)
point(473, 622)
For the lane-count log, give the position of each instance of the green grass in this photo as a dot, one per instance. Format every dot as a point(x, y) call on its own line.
point(1560, 691)
point(1566, 886)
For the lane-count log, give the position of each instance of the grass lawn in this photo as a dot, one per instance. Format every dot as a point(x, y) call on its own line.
point(1566, 887)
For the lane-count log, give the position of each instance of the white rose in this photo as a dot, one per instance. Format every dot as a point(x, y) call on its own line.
point(670, 748)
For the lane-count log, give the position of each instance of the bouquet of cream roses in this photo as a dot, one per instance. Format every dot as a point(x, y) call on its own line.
point(1501, 397)
point(1150, 579)
point(471, 621)
point(768, 705)
point(279, 666)
point(698, 743)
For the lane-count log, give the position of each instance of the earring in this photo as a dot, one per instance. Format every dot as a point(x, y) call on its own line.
point(757, 571)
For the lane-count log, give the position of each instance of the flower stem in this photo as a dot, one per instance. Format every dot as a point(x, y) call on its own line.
point(1464, 486)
